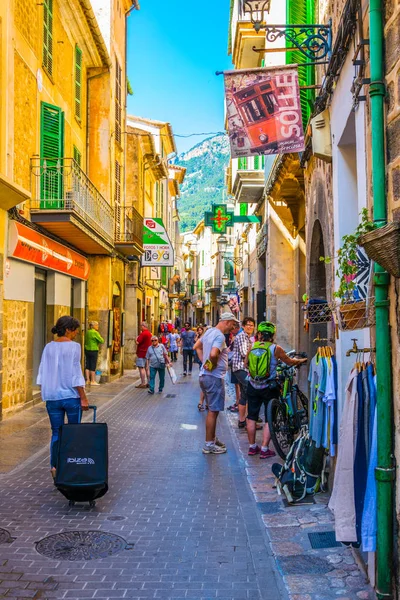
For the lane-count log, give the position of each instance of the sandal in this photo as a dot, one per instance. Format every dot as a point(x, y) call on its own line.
point(200, 407)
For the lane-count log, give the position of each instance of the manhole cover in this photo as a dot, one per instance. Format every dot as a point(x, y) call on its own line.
point(302, 565)
point(171, 396)
point(5, 537)
point(323, 539)
point(81, 545)
point(116, 518)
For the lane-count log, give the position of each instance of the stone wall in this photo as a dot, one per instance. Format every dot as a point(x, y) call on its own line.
point(17, 354)
point(26, 16)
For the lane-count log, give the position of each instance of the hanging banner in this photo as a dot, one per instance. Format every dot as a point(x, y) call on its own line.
point(158, 251)
point(263, 111)
point(31, 246)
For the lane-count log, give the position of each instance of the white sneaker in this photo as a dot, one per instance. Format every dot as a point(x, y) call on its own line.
point(214, 449)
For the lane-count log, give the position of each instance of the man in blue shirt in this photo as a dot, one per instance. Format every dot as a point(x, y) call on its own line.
point(187, 342)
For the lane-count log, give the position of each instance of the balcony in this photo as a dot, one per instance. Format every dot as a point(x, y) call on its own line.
point(211, 285)
point(69, 205)
point(249, 186)
point(128, 231)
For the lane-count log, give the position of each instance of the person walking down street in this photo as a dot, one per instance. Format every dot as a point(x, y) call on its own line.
point(262, 361)
point(92, 342)
point(187, 343)
point(61, 380)
point(241, 347)
point(199, 333)
point(173, 339)
point(143, 342)
point(213, 353)
point(156, 359)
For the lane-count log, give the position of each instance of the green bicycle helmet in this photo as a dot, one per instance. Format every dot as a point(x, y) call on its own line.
point(266, 327)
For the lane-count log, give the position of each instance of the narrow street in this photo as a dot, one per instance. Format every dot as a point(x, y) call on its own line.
point(192, 519)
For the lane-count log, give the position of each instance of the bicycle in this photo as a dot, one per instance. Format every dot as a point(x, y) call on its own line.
point(288, 413)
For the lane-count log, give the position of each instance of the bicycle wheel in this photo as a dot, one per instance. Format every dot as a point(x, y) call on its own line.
point(279, 427)
point(302, 408)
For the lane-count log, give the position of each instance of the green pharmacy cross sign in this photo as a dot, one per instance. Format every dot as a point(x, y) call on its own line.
point(219, 218)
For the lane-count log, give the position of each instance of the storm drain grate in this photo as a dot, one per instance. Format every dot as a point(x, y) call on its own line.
point(170, 396)
point(81, 545)
point(323, 539)
point(5, 537)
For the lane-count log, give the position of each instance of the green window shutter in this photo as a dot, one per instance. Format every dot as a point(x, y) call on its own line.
point(77, 156)
point(164, 276)
point(78, 83)
point(242, 163)
point(118, 102)
point(51, 155)
point(48, 36)
point(302, 12)
point(243, 209)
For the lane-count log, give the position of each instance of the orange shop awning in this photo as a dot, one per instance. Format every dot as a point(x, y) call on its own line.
point(31, 246)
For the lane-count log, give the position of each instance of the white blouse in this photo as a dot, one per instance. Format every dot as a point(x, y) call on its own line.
point(60, 371)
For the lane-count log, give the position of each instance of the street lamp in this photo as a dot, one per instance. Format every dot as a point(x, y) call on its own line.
point(313, 40)
point(225, 280)
point(222, 243)
point(257, 8)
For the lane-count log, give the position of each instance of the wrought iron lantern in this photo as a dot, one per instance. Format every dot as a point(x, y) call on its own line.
point(314, 41)
point(257, 10)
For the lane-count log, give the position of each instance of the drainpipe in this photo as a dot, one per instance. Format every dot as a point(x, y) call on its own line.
point(385, 471)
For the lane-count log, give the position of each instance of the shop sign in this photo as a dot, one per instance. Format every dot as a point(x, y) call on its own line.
point(31, 246)
point(158, 251)
point(263, 111)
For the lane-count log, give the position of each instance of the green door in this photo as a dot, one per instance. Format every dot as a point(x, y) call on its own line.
point(51, 157)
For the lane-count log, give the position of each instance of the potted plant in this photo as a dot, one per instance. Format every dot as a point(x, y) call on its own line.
point(352, 309)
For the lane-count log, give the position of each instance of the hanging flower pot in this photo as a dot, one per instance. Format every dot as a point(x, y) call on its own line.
point(383, 246)
point(352, 315)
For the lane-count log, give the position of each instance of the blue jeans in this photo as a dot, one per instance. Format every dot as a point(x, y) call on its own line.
point(57, 409)
point(153, 373)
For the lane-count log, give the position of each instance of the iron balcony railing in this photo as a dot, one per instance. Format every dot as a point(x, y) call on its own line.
point(60, 185)
point(212, 284)
point(128, 226)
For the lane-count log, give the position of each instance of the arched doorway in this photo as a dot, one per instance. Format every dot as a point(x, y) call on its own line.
point(317, 286)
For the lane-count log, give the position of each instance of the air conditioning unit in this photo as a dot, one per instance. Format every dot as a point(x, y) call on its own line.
point(321, 136)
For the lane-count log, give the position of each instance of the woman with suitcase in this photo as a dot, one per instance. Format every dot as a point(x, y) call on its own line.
point(61, 380)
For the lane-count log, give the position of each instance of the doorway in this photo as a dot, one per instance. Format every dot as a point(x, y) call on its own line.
point(39, 321)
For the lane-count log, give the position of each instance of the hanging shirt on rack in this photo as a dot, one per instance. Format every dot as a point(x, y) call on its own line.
point(368, 528)
point(317, 379)
point(342, 500)
point(329, 398)
point(360, 458)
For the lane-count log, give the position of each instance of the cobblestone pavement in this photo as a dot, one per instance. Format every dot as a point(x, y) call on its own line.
point(194, 523)
point(308, 574)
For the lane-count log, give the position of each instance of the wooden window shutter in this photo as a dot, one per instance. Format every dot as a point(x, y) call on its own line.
point(48, 36)
point(118, 102)
point(77, 156)
point(242, 163)
point(302, 12)
point(78, 83)
point(117, 197)
point(51, 152)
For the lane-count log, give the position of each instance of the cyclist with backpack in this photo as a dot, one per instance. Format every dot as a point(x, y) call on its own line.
point(262, 361)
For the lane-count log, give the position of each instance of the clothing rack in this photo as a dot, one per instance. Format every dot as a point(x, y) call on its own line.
point(356, 350)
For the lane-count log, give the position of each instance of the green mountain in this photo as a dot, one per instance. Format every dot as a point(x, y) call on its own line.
point(204, 183)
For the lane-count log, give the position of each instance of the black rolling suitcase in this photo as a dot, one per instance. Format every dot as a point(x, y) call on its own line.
point(82, 461)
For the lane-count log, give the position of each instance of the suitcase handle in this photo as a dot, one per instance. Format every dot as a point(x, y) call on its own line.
point(91, 407)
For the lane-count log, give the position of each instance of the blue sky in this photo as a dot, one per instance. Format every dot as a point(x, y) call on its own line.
point(174, 49)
